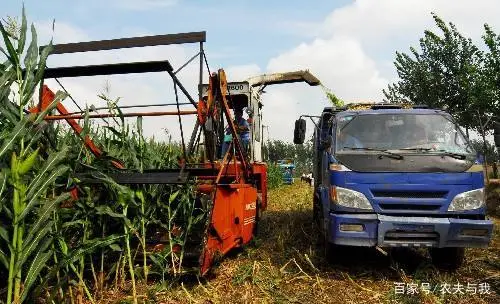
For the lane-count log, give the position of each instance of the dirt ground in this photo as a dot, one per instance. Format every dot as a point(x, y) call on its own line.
point(286, 265)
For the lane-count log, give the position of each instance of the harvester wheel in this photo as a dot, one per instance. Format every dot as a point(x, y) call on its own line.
point(450, 258)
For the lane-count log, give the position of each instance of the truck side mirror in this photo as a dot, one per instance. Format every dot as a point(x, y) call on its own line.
point(299, 133)
point(496, 132)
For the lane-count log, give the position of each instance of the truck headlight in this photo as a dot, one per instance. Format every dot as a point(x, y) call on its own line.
point(349, 198)
point(468, 200)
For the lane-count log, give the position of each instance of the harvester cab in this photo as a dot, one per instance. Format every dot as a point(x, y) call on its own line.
point(241, 96)
point(248, 95)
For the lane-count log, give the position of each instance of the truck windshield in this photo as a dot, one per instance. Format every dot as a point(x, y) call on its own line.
point(407, 133)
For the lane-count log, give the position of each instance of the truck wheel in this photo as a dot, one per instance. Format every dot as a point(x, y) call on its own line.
point(450, 258)
point(316, 217)
point(331, 251)
point(336, 254)
point(317, 212)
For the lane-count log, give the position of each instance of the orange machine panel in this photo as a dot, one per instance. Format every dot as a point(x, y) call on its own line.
point(232, 221)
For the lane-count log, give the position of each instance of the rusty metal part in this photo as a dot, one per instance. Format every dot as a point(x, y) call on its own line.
point(47, 98)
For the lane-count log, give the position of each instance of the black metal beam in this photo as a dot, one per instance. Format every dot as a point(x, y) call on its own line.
point(122, 43)
point(108, 69)
point(151, 178)
point(168, 176)
point(128, 178)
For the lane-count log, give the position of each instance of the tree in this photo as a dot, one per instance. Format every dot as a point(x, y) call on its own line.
point(490, 152)
point(492, 68)
point(447, 72)
point(450, 72)
point(301, 154)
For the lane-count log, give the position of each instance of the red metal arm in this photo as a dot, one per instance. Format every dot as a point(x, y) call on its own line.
point(47, 98)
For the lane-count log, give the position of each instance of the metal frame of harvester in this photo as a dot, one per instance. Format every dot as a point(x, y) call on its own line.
point(236, 185)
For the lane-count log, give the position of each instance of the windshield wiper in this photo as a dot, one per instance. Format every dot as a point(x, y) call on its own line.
point(440, 152)
point(416, 149)
point(452, 154)
point(385, 151)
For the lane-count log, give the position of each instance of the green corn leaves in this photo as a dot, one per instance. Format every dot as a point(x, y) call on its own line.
point(28, 198)
point(22, 36)
point(34, 270)
point(48, 238)
point(11, 53)
point(28, 163)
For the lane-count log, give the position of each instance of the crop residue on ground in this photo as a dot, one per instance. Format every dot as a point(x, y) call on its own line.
point(286, 265)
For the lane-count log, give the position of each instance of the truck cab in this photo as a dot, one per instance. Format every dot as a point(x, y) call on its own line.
point(287, 167)
point(398, 176)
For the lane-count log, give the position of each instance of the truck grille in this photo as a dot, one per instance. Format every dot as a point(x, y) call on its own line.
point(414, 207)
point(411, 238)
point(409, 194)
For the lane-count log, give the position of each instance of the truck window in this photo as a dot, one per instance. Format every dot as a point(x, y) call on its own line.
point(401, 131)
point(401, 142)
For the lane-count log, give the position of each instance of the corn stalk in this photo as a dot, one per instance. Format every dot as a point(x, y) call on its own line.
point(29, 175)
point(43, 245)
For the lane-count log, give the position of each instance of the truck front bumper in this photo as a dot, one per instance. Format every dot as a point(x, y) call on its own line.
point(399, 231)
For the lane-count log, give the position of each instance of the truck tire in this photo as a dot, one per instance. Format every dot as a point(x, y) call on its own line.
point(331, 252)
point(316, 212)
point(450, 258)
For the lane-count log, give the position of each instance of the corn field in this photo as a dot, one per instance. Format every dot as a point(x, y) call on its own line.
point(57, 248)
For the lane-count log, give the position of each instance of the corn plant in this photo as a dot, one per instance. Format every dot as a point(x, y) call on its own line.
point(27, 202)
point(73, 251)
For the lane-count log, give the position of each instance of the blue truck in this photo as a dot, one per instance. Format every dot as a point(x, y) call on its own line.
point(287, 167)
point(391, 175)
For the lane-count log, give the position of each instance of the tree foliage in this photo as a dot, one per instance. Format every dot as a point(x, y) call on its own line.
point(490, 153)
point(275, 150)
point(449, 71)
point(492, 68)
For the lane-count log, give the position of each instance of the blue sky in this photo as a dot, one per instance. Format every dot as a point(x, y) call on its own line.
point(348, 44)
point(238, 32)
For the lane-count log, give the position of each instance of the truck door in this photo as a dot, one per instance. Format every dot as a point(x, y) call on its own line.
point(325, 131)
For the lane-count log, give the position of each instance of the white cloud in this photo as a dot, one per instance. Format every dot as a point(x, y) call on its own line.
point(352, 49)
point(390, 25)
point(60, 32)
point(242, 72)
point(341, 65)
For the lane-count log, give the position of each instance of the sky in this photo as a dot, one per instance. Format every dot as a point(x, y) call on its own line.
point(349, 45)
